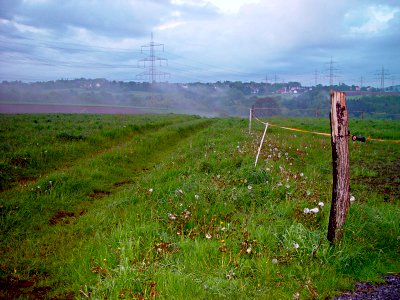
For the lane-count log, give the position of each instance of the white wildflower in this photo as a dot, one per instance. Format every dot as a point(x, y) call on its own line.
point(308, 193)
point(230, 275)
point(274, 261)
point(197, 197)
point(208, 236)
point(321, 204)
point(301, 174)
point(296, 246)
point(248, 250)
point(171, 216)
point(306, 210)
point(287, 185)
point(352, 199)
point(279, 183)
point(150, 190)
point(249, 187)
point(268, 169)
point(186, 214)
point(314, 210)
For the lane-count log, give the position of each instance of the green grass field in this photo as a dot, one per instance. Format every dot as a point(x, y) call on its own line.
point(172, 207)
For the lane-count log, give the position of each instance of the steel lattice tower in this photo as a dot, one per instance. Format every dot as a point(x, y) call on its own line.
point(383, 75)
point(152, 73)
point(332, 72)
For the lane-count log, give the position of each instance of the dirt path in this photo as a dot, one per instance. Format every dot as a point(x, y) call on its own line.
point(69, 109)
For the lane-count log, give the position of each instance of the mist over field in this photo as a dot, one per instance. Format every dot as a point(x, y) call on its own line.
point(204, 99)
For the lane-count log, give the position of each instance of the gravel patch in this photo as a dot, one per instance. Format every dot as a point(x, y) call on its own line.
point(390, 290)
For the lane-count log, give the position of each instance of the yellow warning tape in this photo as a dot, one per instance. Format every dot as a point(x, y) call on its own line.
point(300, 130)
point(293, 129)
point(320, 133)
point(381, 140)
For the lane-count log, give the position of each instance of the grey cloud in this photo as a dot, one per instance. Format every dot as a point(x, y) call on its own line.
point(8, 8)
point(271, 36)
point(109, 18)
point(106, 18)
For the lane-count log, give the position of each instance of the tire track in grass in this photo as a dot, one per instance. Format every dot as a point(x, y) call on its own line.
point(88, 150)
point(31, 246)
point(72, 191)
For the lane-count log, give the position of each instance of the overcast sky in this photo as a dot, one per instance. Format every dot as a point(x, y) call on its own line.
point(204, 40)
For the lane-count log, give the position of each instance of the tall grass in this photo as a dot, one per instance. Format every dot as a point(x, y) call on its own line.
point(181, 212)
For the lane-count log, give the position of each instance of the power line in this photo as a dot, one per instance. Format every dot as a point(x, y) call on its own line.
point(67, 46)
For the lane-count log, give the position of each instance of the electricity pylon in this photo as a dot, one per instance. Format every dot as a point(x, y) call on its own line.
point(152, 73)
point(383, 75)
point(332, 72)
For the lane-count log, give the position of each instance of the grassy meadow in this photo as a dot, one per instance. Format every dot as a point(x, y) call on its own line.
point(172, 207)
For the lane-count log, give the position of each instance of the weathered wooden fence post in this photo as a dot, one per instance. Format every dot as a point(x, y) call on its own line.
point(340, 164)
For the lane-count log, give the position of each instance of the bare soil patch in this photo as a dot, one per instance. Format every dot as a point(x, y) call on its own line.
point(99, 194)
point(70, 109)
point(387, 181)
point(14, 288)
point(61, 216)
point(122, 183)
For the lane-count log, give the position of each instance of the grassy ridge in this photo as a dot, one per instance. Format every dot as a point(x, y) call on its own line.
point(181, 212)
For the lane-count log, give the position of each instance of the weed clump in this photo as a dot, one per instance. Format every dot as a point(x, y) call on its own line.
point(67, 136)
